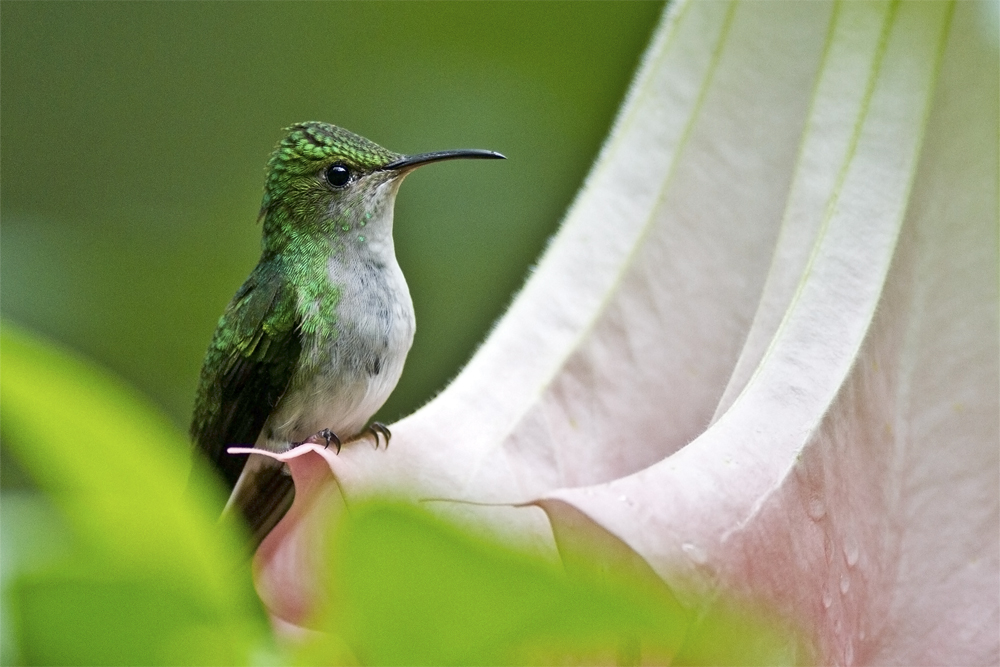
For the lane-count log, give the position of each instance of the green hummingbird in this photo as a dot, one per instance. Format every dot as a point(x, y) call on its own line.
point(314, 341)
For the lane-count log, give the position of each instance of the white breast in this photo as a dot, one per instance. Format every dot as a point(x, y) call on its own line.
point(347, 379)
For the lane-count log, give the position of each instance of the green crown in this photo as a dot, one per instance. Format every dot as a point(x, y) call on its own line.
point(311, 146)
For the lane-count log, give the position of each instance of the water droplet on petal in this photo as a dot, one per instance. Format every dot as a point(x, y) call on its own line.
point(845, 584)
point(695, 553)
point(827, 598)
point(816, 509)
point(851, 551)
point(849, 654)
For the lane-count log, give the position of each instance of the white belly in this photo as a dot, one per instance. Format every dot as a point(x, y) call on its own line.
point(346, 378)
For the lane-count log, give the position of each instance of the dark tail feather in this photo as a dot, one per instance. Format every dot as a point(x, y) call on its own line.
point(262, 498)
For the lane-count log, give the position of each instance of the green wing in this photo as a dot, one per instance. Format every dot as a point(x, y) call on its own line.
point(247, 368)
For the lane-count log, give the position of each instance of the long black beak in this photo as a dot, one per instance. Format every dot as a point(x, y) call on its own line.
point(412, 161)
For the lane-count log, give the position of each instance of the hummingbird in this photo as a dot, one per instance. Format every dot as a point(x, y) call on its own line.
point(314, 341)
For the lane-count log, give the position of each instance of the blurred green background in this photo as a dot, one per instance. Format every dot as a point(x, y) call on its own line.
point(134, 137)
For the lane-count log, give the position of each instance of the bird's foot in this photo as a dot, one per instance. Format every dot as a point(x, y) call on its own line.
point(326, 437)
point(379, 429)
point(329, 437)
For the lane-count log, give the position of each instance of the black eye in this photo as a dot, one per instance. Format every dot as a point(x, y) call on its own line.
point(338, 175)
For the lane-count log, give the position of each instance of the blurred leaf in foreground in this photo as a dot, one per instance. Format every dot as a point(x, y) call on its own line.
point(32, 538)
point(149, 576)
point(411, 588)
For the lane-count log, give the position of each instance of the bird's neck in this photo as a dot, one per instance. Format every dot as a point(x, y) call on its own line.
point(327, 259)
point(361, 227)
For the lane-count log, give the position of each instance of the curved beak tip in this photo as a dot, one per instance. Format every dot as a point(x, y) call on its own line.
point(412, 161)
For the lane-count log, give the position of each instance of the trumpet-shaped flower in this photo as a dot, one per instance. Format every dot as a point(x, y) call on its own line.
point(760, 356)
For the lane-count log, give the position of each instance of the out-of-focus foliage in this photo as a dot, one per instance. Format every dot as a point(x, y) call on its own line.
point(410, 588)
point(117, 565)
point(138, 571)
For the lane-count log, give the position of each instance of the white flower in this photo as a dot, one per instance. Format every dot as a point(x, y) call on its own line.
point(762, 351)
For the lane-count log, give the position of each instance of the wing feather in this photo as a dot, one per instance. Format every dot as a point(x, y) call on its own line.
point(247, 368)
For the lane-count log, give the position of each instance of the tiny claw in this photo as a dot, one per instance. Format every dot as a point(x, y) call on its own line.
point(329, 436)
point(379, 429)
point(324, 437)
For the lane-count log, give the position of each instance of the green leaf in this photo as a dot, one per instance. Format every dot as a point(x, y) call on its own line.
point(151, 577)
point(32, 538)
point(411, 588)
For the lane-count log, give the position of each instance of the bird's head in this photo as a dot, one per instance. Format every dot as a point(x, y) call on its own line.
point(322, 178)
